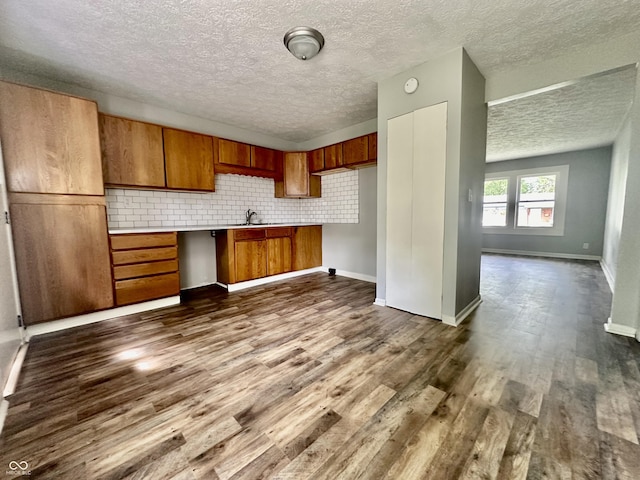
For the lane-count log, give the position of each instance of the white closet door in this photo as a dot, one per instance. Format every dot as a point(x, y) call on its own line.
point(416, 159)
point(399, 211)
point(429, 162)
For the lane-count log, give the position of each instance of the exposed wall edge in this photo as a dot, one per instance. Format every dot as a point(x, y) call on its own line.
point(607, 274)
point(618, 329)
point(460, 317)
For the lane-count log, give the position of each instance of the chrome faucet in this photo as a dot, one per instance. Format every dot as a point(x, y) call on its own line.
point(250, 213)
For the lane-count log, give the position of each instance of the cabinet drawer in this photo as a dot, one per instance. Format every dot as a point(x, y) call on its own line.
point(248, 234)
point(147, 288)
point(133, 241)
point(144, 269)
point(146, 255)
point(275, 232)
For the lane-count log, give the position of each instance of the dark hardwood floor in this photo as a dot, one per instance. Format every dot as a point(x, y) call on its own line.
point(306, 379)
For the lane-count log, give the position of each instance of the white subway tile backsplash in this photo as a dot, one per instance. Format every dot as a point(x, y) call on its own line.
point(233, 196)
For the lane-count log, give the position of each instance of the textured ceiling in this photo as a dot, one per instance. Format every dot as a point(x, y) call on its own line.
point(585, 114)
point(224, 60)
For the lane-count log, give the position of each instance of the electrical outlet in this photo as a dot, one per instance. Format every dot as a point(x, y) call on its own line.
point(128, 202)
point(585, 246)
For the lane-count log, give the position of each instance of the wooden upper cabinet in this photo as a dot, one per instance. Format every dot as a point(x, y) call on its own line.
point(188, 160)
point(132, 152)
point(316, 160)
point(361, 151)
point(266, 158)
point(333, 156)
point(229, 152)
point(50, 142)
point(296, 181)
point(373, 146)
point(356, 150)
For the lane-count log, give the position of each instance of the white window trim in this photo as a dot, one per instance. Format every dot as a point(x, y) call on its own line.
point(562, 181)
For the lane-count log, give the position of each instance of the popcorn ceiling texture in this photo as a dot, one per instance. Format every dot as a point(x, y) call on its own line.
point(225, 61)
point(129, 208)
point(584, 115)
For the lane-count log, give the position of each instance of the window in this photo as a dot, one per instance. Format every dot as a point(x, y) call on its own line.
point(526, 202)
point(494, 213)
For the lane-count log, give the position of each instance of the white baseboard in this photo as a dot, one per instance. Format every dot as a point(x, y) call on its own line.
point(100, 316)
point(14, 373)
point(607, 274)
point(381, 302)
point(4, 407)
point(354, 275)
point(570, 256)
point(623, 330)
point(234, 287)
point(12, 381)
point(466, 311)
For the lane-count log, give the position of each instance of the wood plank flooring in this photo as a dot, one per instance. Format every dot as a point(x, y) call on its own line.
point(306, 379)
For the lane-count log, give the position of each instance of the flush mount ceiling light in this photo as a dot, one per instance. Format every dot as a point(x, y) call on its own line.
point(303, 42)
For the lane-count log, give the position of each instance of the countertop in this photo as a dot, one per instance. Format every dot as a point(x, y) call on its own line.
point(197, 228)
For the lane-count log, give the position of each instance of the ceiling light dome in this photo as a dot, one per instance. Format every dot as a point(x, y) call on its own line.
point(303, 42)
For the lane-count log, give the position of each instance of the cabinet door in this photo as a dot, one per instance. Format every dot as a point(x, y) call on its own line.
point(50, 142)
point(316, 160)
point(296, 181)
point(307, 247)
point(279, 255)
point(62, 258)
point(333, 156)
point(132, 152)
point(355, 151)
point(188, 160)
point(251, 259)
point(232, 153)
point(265, 158)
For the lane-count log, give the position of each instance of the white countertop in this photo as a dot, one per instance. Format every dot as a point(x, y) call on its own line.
point(196, 228)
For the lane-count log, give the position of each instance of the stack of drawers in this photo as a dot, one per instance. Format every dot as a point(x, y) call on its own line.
point(145, 266)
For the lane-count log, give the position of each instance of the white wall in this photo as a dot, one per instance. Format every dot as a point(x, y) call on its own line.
point(625, 309)
point(586, 205)
point(352, 247)
point(10, 337)
point(440, 80)
point(473, 147)
point(197, 259)
point(615, 202)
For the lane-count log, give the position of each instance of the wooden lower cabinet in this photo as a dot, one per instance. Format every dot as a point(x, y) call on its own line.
point(248, 254)
point(251, 257)
point(279, 250)
point(145, 266)
point(307, 247)
point(62, 256)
